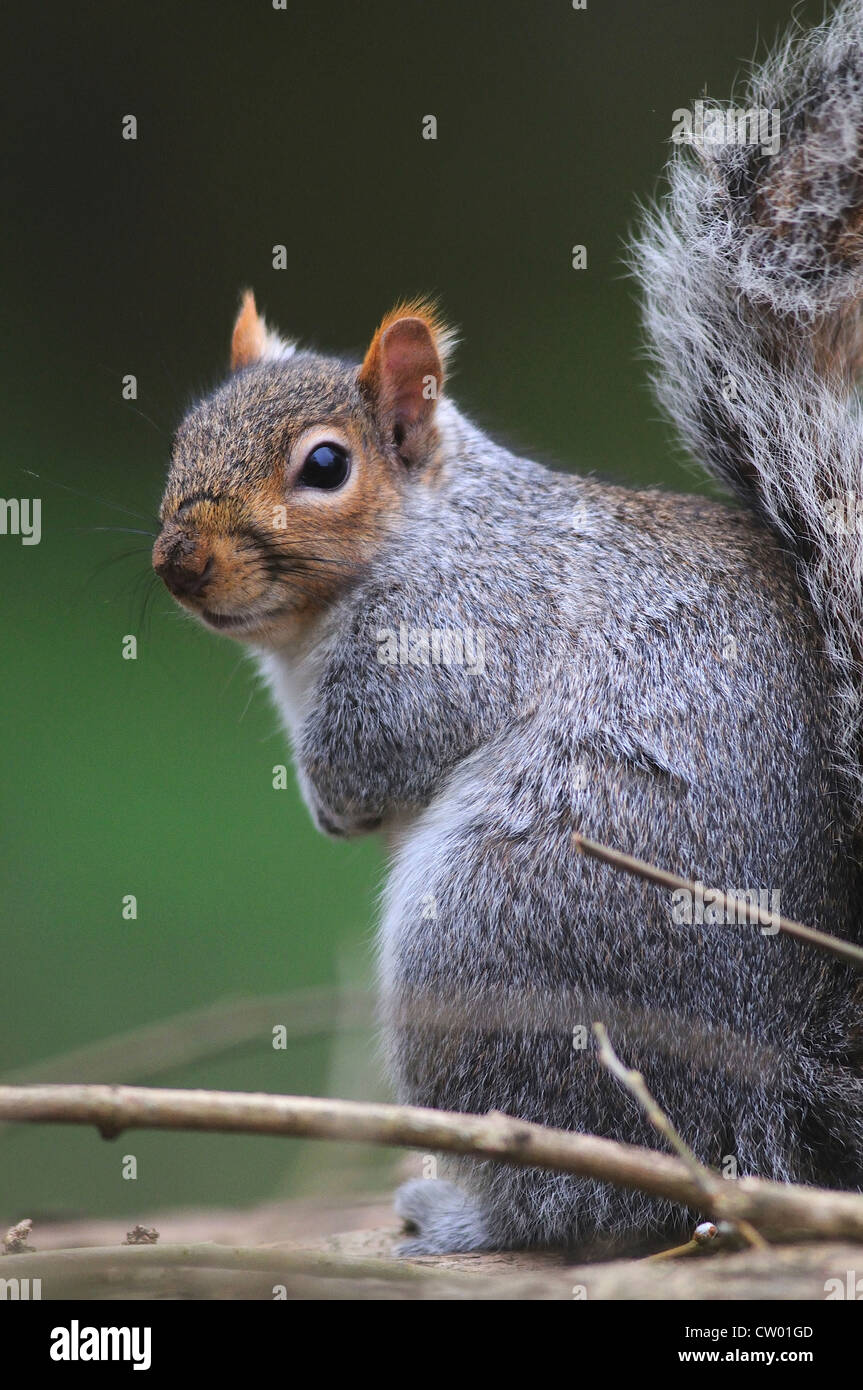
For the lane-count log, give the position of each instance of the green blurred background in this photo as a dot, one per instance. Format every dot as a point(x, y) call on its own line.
point(154, 777)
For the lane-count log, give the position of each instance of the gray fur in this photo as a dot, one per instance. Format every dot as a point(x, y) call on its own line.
point(752, 273)
point(668, 675)
point(606, 706)
point(443, 1215)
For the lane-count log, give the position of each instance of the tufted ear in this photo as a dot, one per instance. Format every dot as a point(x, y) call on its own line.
point(252, 341)
point(403, 372)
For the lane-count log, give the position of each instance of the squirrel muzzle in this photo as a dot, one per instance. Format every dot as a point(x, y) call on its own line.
point(183, 562)
point(226, 572)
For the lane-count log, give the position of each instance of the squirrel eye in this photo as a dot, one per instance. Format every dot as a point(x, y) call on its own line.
point(327, 466)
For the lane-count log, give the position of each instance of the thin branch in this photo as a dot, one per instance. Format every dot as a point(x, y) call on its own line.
point(200, 1033)
point(218, 1271)
point(739, 908)
point(210, 1271)
point(711, 1185)
point(780, 1212)
point(269, 1259)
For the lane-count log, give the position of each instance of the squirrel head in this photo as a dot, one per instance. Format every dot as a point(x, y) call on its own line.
point(286, 481)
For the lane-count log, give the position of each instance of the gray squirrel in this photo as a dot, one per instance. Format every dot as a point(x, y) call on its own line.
point(476, 657)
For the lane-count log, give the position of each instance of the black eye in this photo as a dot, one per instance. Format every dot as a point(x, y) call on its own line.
point(327, 466)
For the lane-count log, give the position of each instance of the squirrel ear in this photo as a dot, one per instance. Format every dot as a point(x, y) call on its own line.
point(252, 341)
point(403, 371)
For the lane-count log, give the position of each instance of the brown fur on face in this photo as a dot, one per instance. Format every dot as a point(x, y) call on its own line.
point(259, 554)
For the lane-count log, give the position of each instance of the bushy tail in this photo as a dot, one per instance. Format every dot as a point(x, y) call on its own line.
point(752, 274)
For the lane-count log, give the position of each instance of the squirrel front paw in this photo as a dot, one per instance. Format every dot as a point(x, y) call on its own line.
point(342, 823)
point(440, 1218)
point(341, 827)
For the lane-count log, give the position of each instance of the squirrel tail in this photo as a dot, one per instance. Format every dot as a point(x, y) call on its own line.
point(751, 270)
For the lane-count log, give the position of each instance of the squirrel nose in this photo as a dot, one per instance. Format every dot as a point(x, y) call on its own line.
point(182, 564)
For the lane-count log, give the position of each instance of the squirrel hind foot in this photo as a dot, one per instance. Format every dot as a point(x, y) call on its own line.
point(440, 1218)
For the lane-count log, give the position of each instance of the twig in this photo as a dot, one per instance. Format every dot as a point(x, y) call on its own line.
point(780, 1212)
point(678, 1251)
point(231, 1272)
point(199, 1033)
point(739, 907)
point(269, 1259)
point(710, 1184)
point(217, 1271)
